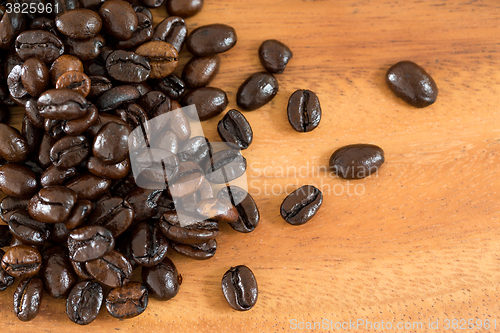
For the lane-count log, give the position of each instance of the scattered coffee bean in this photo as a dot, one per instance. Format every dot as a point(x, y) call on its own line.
point(84, 302)
point(162, 57)
point(235, 130)
point(225, 166)
point(148, 245)
point(201, 251)
point(200, 71)
point(172, 30)
point(162, 280)
point(211, 39)
point(127, 66)
point(34, 76)
point(79, 23)
point(52, 204)
point(184, 8)
point(40, 44)
point(357, 161)
point(119, 19)
point(257, 90)
point(209, 102)
point(301, 205)
point(274, 56)
point(28, 298)
point(18, 181)
point(239, 286)
point(248, 212)
point(304, 111)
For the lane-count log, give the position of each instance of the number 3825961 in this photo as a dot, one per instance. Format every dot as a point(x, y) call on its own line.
point(31, 8)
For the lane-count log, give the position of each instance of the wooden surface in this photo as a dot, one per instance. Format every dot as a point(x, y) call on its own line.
point(420, 243)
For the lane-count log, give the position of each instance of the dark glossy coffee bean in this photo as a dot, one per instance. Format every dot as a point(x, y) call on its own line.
point(74, 80)
point(79, 23)
point(84, 302)
point(89, 243)
point(111, 143)
point(88, 186)
point(274, 56)
point(102, 120)
point(69, 151)
point(63, 64)
point(172, 30)
point(197, 149)
point(116, 97)
point(144, 202)
point(32, 113)
point(52, 204)
point(235, 130)
point(22, 261)
point(35, 76)
point(162, 280)
point(412, 83)
point(112, 270)
point(33, 136)
point(301, 205)
point(62, 104)
point(81, 270)
point(114, 213)
point(98, 86)
point(257, 90)
point(18, 181)
point(184, 8)
point(357, 161)
point(39, 43)
point(80, 125)
point(5, 279)
point(248, 212)
point(128, 67)
point(239, 286)
point(128, 301)
point(81, 210)
point(154, 100)
point(220, 210)
point(134, 116)
point(209, 102)
point(44, 153)
point(162, 57)
point(54, 128)
point(225, 166)
point(58, 275)
point(15, 83)
point(148, 245)
point(211, 39)
point(28, 298)
point(143, 34)
point(196, 251)
point(143, 88)
point(11, 24)
point(304, 111)
point(200, 71)
point(119, 19)
point(44, 23)
point(195, 232)
point(85, 49)
point(4, 114)
point(27, 230)
point(5, 235)
point(111, 171)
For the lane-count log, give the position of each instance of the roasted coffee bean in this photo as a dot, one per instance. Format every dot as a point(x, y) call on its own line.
point(80, 125)
point(162, 280)
point(225, 166)
point(54, 128)
point(84, 302)
point(18, 181)
point(111, 171)
point(114, 213)
point(8, 206)
point(74, 80)
point(184, 8)
point(4, 114)
point(301, 205)
point(81, 270)
point(209, 102)
point(220, 210)
point(88, 186)
point(35, 76)
point(167, 141)
point(59, 234)
point(133, 115)
point(79, 23)
point(112, 270)
point(235, 130)
point(52, 204)
point(21, 261)
point(154, 100)
point(119, 19)
point(62, 104)
point(257, 90)
point(69, 151)
point(196, 251)
point(58, 275)
point(172, 30)
point(44, 23)
point(33, 136)
point(187, 180)
point(39, 43)
point(5, 235)
point(155, 173)
point(85, 49)
point(148, 245)
point(162, 57)
point(127, 66)
point(143, 202)
point(412, 83)
point(143, 34)
point(248, 212)
point(15, 83)
point(32, 113)
point(98, 86)
point(239, 287)
point(356, 161)
point(111, 143)
point(89, 243)
point(102, 120)
point(63, 64)
point(44, 153)
point(200, 71)
point(117, 96)
point(196, 230)
point(27, 298)
point(196, 149)
point(304, 111)
point(5, 279)
point(81, 210)
point(178, 123)
point(27, 230)
point(128, 301)
point(274, 56)
point(211, 39)
point(11, 24)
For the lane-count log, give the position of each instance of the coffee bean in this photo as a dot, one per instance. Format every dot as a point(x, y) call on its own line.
point(85, 49)
point(356, 161)
point(211, 39)
point(111, 143)
point(188, 179)
point(98, 86)
point(143, 202)
point(143, 34)
point(58, 275)
point(274, 56)
point(225, 166)
point(257, 90)
point(113, 98)
point(40, 44)
point(54, 175)
point(220, 210)
point(21, 261)
point(184, 8)
point(44, 152)
point(200, 71)
point(79, 23)
point(27, 298)
point(172, 30)
point(148, 245)
point(304, 111)
point(209, 102)
point(5, 279)
point(81, 210)
point(62, 104)
point(80, 125)
point(197, 149)
point(127, 66)
point(33, 114)
point(134, 116)
point(412, 83)
point(74, 80)
point(195, 232)
point(35, 76)
point(11, 24)
point(235, 130)
point(196, 251)
point(114, 213)
point(63, 64)
point(59, 233)
point(162, 57)
point(89, 243)
point(239, 286)
point(8, 206)
point(33, 136)
point(52, 204)
point(111, 171)
point(301, 205)
point(84, 302)
point(119, 19)
point(81, 270)
point(18, 180)
point(69, 151)
point(128, 301)
point(15, 84)
point(248, 212)
point(27, 230)
point(162, 280)
point(112, 270)
point(44, 23)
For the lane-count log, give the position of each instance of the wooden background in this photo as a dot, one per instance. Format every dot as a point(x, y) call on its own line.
point(418, 242)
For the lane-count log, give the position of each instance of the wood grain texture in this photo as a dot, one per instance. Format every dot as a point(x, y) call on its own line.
point(420, 242)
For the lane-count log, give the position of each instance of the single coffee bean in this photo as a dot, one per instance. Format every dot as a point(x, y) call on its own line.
point(5, 279)
point(31, 111)
point(69, 151)
point(18, 181)
point(111, 171)
point(40, 44)
point(119, 19)
point(196, 251)
point(33, 136)
point(127, 66)
point(235, 130)
point(143, 202)
point(63, 64)
point(85, 49)
point(111, 143)
point(98, 86)
point(257, 90)
point(22, 261)
point(412, 83)
point(81, 210)
point(117, 96)
point(301, 205)
point(112, 270)
point(84, 302)
point(11, 24)
point(5, 235)
point(195, 232)
point(200, 71)
point(274, 56)
point(15, 84)
point(220, 210)
point(162, 280)
point(44, 152)
point(209, 102)
point(239, 286)
point(52, 204)
point(211, 39)
point(184, 8)
point(148, 245)
point(44, 23)
point(27, 230)
point(143, 34)
point(62, 104)
point(114, 213)
point(27, 298)
point(89, 243)
point(127, 301)
point(35, 76)
point(248, 212)
point(304, 111)
point(172, 30)
point(58, 275)
point(79, 23)
point(225, 166)
point(74, 80)
point(80, 125)
point(162, 57)
point(357, 161)
point(54, 128)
